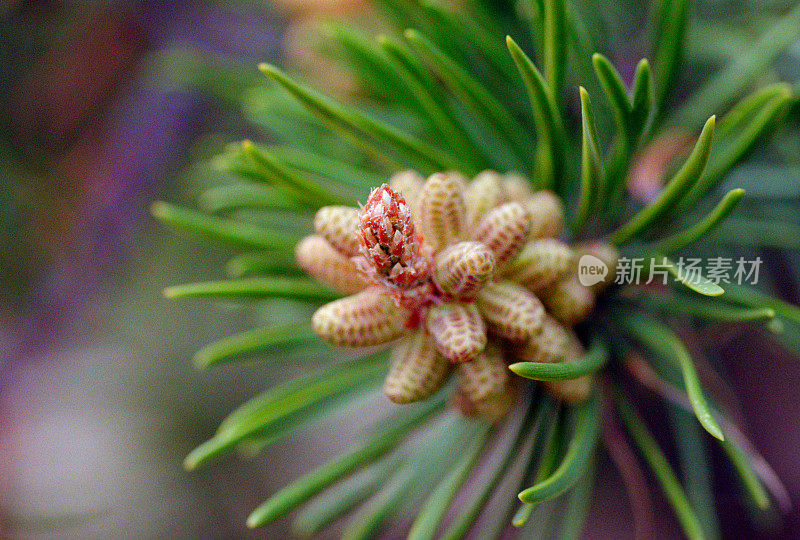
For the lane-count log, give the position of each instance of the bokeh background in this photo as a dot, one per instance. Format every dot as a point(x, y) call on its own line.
point(106, 106)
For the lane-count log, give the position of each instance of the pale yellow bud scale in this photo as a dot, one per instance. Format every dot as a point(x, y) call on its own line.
point(328, 266)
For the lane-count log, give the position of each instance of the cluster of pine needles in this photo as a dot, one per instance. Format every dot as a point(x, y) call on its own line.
point(449, 91)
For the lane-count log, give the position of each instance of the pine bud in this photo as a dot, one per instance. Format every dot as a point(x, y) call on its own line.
point(389, 241)
point(482, 194)
point(504, 230)
point(569, 301)
point(418, 370)
point(518, 188)
point(497, 406)
point(442, 212)
point(362, 320)
point(572, 391)
point(556, 344)
point(457, 330)
point(541, 263)
point(463, 268)
point(547, 214)
point(510, 310)
point(492, 409)
point(408, 183)
point(553, 344)
point(484, 375)
point(328, 266)
point(339, 226)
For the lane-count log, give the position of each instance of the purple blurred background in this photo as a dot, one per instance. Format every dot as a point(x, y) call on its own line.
point(103, 133)
point(97, 399)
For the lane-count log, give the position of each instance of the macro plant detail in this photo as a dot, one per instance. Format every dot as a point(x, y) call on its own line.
point(450, 266)
point(468, 299)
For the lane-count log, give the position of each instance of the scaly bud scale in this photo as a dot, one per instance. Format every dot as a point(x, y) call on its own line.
point(389, 241)
point(461, 285)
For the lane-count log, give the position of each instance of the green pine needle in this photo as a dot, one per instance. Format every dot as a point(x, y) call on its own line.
point(522, 431)
point(378, 443)
point(675, 189)
point(695, 281)
point(592, 174)
point(432, 511)
point(261, 262)
point(663, 342)
point(549, 446)
point(278, 411)
point(594, 359)
point(366, 132)
point(549, 128)
point(253, 341)
point(730, 82)
point(292, 183)
point(661, 469)
point(683, 239)
point(336, 501)
point(616, 94)
point(555, 46)
point(587, 430)
point(578, 505)
point(703, 308)
point(424, 468)
point(670, 30)
point(245, 195)
point(226, 231)
point(299, 288)
point(740, 130)
point(475, 96)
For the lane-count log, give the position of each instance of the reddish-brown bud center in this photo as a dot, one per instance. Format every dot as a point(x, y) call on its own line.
point(388, 238)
